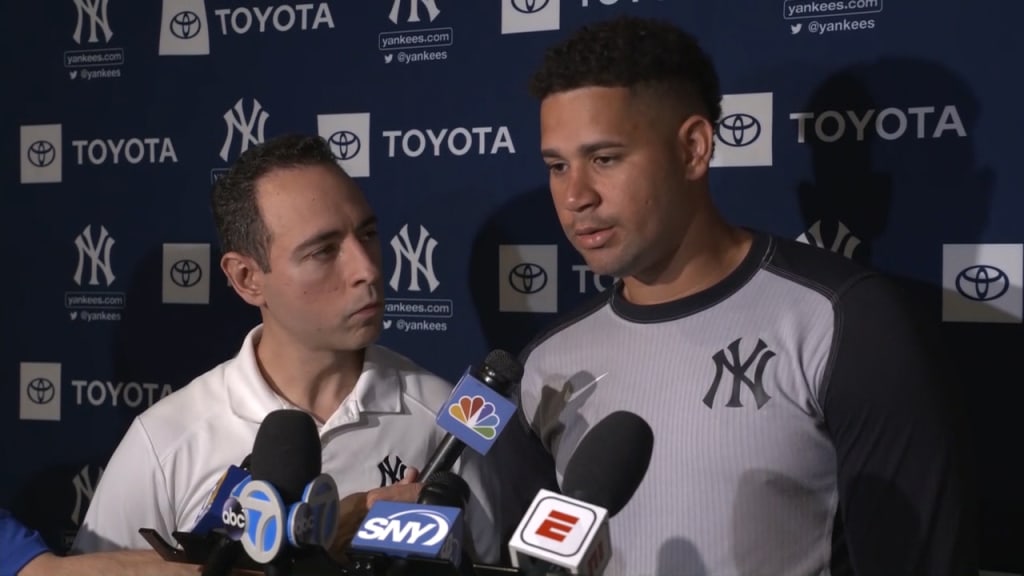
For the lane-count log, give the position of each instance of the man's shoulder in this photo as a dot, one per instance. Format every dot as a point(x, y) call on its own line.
point(179, 415)
point(556, 331)
point(417, 383)
point(816, 268)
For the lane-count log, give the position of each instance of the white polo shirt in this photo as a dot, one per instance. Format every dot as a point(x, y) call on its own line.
point(173, 454)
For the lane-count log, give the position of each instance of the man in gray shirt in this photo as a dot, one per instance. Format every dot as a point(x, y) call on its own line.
point(798, 428)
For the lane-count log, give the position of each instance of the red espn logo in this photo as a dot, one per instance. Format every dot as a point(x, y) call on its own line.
point(557, 525)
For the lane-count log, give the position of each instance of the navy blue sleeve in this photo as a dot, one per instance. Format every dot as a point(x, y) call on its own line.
point(904, 502)
point(18, 544)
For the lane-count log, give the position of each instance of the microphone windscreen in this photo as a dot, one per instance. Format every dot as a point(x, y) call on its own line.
point(445, 488)
point(505, 366)
point(287, 452)
point(610, 462)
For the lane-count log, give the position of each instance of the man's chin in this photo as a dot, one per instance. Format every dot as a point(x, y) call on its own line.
point(370, 333)
point(603, 267)
point(359, 337)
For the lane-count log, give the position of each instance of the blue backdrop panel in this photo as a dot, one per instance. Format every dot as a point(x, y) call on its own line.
point(882, 130)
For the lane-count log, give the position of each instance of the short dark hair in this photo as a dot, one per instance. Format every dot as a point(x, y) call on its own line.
point(632, 52)
point(236, 214)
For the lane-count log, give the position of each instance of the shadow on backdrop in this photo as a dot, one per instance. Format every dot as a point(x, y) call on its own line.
point(929, 179)
point(527, 218)
point(54, 501)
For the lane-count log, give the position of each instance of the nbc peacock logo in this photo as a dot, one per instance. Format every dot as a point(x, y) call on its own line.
point(476, 414)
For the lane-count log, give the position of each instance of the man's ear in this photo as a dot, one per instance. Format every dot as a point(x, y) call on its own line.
point(696, 142)
point(245, 277)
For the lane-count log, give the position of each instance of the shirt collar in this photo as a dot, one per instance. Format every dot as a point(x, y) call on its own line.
point(378, 389)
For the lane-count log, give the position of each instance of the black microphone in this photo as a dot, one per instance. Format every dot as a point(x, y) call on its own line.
point(610, 462)
point(499, 372)
point(443, 488)
point(606, 470)
point(211, 542)
point(287, 455)
point(225, 550)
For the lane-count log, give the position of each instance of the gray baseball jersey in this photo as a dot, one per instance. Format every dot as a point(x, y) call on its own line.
point(797, 427)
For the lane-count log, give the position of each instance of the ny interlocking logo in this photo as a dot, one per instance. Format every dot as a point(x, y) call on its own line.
point(414, 10)
point(98, 254)
point(84, 484)
point(248, 128)
point(98, 23)
point(844, 242)
point(729, 360)
point(391, 469)
point(93, 58)
point(420, 259)
point(94, 256)
point(420, 45)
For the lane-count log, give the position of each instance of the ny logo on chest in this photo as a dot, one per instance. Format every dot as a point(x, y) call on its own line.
point(391, 469)
point(748, 371)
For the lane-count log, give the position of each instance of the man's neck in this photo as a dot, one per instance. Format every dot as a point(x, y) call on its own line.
point(315, 381)
point(711, 249)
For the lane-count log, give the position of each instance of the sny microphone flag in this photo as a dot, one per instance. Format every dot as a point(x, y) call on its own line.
point(564, 532)
point(475, 413)
point(402, 529)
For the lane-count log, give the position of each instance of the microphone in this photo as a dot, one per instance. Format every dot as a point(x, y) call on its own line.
point(209, 519)
point(286, 499)
point(213, 520)
point(477, 411)
point(431, 528)
point(443, 489)
point(258, 512)
point(568, 533)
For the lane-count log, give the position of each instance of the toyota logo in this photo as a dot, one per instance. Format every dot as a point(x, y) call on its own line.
point(41, 391)
point(529, 6)
point(527, 278)
point(738, 130)
point(982, 283)
point(186, 273)
point(345, 145)
point(186, 25)
point(41, 153)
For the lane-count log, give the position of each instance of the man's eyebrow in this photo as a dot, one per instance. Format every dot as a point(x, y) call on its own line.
point(319, 238)
point(333, 234)
point(368, 222)
point(585, 149)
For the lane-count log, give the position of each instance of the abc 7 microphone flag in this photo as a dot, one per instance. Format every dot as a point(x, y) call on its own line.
point(256, 515)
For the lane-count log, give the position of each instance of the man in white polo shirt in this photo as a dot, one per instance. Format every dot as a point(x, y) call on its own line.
point(300, 243)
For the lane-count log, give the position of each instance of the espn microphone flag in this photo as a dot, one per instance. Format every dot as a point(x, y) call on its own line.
point(563, 532)
point(403, 529)
point(475, 413)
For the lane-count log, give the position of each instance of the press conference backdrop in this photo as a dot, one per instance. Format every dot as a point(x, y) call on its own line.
point(885, 130)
